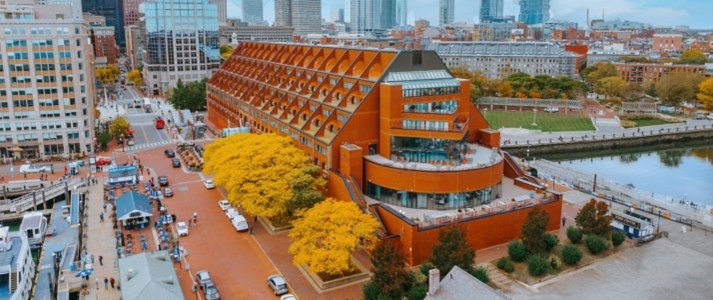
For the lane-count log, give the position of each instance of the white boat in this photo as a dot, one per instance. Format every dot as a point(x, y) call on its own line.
point(17, 269)
point(34, 225)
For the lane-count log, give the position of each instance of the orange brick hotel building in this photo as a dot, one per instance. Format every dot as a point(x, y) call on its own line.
point(392, 130)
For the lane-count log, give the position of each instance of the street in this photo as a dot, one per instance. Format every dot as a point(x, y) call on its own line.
point(145, 133)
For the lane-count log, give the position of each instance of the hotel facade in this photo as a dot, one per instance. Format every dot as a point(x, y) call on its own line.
point(391, 130)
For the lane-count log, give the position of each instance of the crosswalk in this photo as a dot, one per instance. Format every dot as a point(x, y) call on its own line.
point(150, 145)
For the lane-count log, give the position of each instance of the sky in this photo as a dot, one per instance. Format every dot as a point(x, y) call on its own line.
point(694, 13)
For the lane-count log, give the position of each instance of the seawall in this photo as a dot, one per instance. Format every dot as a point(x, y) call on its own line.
point(608, 142)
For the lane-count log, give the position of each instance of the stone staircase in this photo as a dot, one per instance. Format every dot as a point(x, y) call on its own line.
point(498, 277)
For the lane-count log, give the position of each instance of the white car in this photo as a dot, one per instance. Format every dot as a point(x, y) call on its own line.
point(182, 228)
point(288, 297)
point(224, 204)
point(231, 212)
point(209, 184)
point(130, 142)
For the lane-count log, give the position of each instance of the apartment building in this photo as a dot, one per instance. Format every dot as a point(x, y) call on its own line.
point(667, 42)
point(647, 73)
point(102, 38)
point(47, 82)
point(500, 59)
point(305, 16)
point(243, 31)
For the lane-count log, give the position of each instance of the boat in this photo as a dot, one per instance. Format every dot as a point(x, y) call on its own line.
point(17, 269)
point(34, 225)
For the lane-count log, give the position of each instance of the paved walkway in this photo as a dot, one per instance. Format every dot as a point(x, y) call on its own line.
point(100, 242)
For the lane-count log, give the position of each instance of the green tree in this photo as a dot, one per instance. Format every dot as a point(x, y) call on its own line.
point(651, 91)
point(390, 274)
point(118, 127)
point(306, 188)
point(452, 250)
point(104, 139)
point(678, 87)
point(612, 86)
point(191, 96)
point(587, 70)
point(603, 71)
point(693, 57)
point(705, 93)
point(534, 231)
point(594, 218)
point(632, 92)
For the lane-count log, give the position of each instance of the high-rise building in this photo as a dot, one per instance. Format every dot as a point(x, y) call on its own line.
point(368, 16)
point(490, 10)
point(534, 11)
point(181, 42)
point(401, 12)
point(387, 14)
point(47, 86)
point(252, 11)
point(131, 12)
point(222, 11)
point(113, 11)
point(304, 15)
point(446, 11)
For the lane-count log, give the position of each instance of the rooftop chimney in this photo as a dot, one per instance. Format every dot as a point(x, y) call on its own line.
point(434, 281)
point(131, 274)
point(168, 280)
point(160, 256)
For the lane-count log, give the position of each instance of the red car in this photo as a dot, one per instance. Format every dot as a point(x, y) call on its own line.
point(103, 161)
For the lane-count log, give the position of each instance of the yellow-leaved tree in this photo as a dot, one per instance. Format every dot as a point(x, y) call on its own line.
point(135, 77)
point(325, 236)
point(256, 170)
point(705, 93)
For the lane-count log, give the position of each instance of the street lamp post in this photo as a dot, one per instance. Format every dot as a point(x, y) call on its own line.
point(534, 117)
point(486, 113)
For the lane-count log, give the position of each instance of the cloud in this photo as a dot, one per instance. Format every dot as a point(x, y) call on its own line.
point(632, 10)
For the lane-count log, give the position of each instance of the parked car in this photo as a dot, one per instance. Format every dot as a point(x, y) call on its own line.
point(277, 284)
point(231, 213)
point(130, 105)
point(163, 180)
point(203, 277)
point(130, 142)
point(288, 297)
point(209, 184)
point(103, 161)
point(552, 109)
point(170, 153)
point(182, 228)
point(240, 223)
point(210, 291)
point(699, 117)
point(709, 117)
point(168, 192)
point(224, 204)
point(176, 162)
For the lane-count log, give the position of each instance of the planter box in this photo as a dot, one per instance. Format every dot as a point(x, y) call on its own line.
point(272, 229)
point(324, 285)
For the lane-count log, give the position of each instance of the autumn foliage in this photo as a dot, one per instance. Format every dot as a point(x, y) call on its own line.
point(256, 171)
point(325, 236)
point(453, 250)
point(534, 231)
point(390, 275)
point(593, 218)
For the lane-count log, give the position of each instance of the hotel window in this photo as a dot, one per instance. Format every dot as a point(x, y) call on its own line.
point(364, 88)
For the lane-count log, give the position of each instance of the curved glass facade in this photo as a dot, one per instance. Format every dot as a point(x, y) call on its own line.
point(433, 200)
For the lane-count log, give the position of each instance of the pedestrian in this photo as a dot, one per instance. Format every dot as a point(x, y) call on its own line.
point(92, 258)
point(106, 283)
point(251, 229)
point(104, 207)
point(100, 260)
point(255, 219)
point(112, 282)
point(190, 222)
point(564, 220)
point(101, 217)
point(195, 221)
point(24, 174)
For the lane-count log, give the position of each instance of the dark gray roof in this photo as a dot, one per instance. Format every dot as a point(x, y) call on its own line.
point(149, 275)
point(131, 202)
point(459, 285)
point(498, 49)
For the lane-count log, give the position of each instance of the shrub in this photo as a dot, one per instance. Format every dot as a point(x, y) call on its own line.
point(618, 237)
point(555, 261)
point(574, 234)
point(627, 124)
point(596, 244)
point(482, 274)
point(537, 265)
point(551, 241)
point(516, 251)
point(418, 292)
point(370, 291)
point(425, 267)
point(501, 263)
point(509, 267)
point(571, 254)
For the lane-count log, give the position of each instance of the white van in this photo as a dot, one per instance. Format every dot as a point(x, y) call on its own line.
point(552, 109)
point(240, 223)
point(231, 213)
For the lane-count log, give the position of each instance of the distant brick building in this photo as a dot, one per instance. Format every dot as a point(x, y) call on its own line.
point(651, 73)
point(667, 42)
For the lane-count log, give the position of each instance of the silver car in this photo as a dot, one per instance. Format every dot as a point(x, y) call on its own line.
point(277, 284)
point(210, 291)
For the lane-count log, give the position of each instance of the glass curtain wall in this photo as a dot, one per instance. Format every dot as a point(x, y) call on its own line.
point(434, 200)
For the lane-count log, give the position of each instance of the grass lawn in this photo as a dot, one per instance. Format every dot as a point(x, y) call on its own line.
point(650, 122)
point(545, 121)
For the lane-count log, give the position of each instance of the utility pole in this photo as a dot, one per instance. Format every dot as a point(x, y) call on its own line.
point(34, 200)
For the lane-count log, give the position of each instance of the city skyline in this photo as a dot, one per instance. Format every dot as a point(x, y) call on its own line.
point(654, 12)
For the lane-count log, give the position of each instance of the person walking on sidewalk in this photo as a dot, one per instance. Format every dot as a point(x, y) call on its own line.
point(101, 258)
point(91, 257)
point(564, 220)
point(104, 207)
point(101, 217)
point(112, 282)
point(106, 283)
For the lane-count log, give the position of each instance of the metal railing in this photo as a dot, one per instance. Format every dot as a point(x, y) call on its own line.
point(28, 200)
